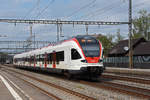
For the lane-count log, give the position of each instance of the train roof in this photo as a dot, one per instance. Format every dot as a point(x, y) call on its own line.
point(45, 49)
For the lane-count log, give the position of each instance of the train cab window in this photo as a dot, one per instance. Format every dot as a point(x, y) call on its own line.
point(75, 54)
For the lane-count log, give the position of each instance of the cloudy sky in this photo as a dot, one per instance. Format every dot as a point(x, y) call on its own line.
point(97, 10)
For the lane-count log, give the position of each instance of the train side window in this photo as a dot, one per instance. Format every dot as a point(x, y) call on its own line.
point(32, 59)
point(37, 58)
point(49, 58)
point(28, 59)
point(75, 54)
point(40, 58)
point(60, 56)
point(43, 58)
point(15, 60)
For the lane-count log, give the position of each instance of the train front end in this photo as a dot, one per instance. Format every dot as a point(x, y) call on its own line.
point(92, 55)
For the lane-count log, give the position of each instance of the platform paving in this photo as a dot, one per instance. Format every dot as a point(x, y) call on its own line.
point(4, 92)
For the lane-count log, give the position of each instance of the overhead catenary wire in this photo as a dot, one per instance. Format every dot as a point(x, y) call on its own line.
point(106, 14)
point(87, 25)
point(81, 8)
point(138, 6)
point(104, 9)
point(51, 1)
point(32, 9)
point(46, 7)
point(119, 11)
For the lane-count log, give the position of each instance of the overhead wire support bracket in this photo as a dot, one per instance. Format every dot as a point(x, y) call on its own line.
point(61, 22)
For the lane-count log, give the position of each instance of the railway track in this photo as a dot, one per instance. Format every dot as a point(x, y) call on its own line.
point(120, 88)
point(125, 89)
point(34, 86)
point(73, 93)
point(106, 83)
point(127, 78)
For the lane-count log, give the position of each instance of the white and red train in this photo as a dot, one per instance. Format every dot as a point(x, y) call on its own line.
point(81, 55)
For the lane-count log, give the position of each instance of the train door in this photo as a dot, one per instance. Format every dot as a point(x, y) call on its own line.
point(34, 60)
point(67, 57)
point(54, 59)
point(45, 60)
point(40, 61)
point(30, 61)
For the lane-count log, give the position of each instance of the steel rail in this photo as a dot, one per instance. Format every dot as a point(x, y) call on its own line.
point(31, 84)
point(125, 89)
point(125, 78)
point(112, 87)
point(56, 86)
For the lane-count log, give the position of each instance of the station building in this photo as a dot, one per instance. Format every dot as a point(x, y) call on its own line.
point(118, 56)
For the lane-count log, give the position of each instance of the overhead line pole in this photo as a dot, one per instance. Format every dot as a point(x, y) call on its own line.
point(57, 31)
point(130, 36)
point(30, 39)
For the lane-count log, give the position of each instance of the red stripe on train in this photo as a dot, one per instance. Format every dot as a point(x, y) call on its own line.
point(74, 39)
point(90, 59)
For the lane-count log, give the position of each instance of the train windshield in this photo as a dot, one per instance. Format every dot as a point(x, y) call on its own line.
point(90, 46)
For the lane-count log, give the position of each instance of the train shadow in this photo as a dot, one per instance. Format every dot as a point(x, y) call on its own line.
point(62, 76)
point(43, 72)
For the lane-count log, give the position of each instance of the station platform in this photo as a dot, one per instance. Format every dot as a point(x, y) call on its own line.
point(127, 71)
point(4, 92)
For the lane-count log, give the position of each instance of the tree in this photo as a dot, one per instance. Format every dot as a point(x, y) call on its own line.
point(106, 42)
point(119, 36)
point(141, 25)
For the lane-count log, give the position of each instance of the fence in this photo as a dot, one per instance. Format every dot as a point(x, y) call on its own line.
point(123, 62)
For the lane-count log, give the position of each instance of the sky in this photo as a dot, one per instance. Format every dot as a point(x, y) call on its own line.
point(89, 10)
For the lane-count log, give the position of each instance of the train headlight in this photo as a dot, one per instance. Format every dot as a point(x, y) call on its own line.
point(84, 61)
point(100, 60)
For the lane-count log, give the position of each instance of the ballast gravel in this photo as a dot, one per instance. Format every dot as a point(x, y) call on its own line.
point(97, 93)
